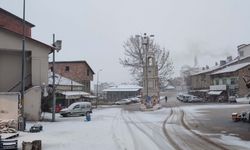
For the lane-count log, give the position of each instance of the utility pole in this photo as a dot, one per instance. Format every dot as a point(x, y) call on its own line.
point(53, 91)
point(97, 82)
point(21, 125)
point(57, 46)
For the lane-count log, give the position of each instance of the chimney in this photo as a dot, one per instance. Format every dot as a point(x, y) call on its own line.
point(229, 58)
point(207, 67)
point(216, 63)
point(222, 62)
point(203, 68)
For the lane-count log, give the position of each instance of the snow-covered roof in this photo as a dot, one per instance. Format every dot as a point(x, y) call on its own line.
point(60, 80)
point(170, 87)
point(231, 68)
point(124, 88)
point(70, 93)
point(74, 94)
point(213, 68)
point(214, 92)
point(208, 70)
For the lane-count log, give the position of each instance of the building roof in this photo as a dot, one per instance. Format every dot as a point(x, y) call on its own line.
point(74, 94)
point(214, 68)
point(28, 38)
point(214, 92)
point(60, 80)
point(242, 46)
point(75, 61)
point(123, 88)
point(16, 17)
point(71, 93)
point(232, 68)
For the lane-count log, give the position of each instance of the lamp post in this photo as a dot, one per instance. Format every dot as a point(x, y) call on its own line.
point(97, 82)
point(57, 46)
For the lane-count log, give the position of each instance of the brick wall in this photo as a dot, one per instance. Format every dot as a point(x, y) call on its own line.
point(77, 71)
point(13, 24)
point(243, 90)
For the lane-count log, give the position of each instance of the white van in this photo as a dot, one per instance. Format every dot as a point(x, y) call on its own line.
point(76, 109)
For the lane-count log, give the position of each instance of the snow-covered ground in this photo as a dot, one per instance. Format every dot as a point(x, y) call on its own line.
point(113, 129)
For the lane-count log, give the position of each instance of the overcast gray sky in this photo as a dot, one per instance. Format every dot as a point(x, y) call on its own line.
point(95, 30)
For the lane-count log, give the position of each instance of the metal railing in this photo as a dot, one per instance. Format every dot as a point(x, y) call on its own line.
point(18, 85)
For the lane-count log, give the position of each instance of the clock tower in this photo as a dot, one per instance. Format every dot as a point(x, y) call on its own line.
point(150, 77)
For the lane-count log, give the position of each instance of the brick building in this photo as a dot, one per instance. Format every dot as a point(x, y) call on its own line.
point(14, 23)
point(232, 77)
point(78, 71)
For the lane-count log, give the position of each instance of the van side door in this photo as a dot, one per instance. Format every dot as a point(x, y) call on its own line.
point(76, 109)
point(83, 110)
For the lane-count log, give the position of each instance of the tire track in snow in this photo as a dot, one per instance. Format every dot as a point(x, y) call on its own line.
point(172, 142)
point(160, 135)
point(199, 141)
point(130, 131)
point(157, 144)
point(116, 139)
point(199, 135)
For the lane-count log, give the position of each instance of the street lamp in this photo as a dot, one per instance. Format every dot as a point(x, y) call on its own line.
point(97, 82)
point(57, 46)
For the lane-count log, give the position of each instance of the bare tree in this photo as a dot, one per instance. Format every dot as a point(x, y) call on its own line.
point(135, 59)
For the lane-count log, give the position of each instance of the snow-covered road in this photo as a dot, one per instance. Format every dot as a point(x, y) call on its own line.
point(119, 129)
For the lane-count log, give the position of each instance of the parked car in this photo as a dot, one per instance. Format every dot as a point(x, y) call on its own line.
point(180, 96)
point(193, 99)
point(135, 99)
point(246, 116)
point(78, 108)
point(123, 101)
point(232, 99)
point(186, 98)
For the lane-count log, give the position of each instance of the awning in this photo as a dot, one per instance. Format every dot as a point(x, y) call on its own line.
point(74, 94)
point(214, 92)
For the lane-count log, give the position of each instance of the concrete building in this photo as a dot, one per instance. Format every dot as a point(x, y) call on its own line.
point(78, 71)
point(36, 71)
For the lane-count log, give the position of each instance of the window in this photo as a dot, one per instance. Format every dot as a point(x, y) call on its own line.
point(241, 53)
point(224, 81)
point(76, 107)
point(150, 61)
point(51, 69)
point(216, 82)
point(88, 72)
point(67, 68)
point(233, 81)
